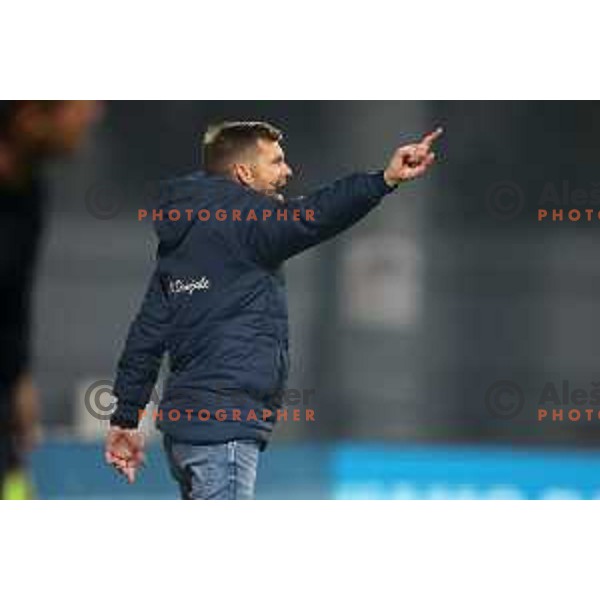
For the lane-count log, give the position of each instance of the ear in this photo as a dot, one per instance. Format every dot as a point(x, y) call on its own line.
point(243, 173)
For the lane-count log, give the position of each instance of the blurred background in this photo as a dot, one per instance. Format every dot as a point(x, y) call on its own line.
point(403, 325)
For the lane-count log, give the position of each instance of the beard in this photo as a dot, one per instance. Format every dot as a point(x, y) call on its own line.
point(276, 193)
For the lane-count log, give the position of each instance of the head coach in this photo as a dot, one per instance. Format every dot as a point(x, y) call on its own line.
point(216, 305)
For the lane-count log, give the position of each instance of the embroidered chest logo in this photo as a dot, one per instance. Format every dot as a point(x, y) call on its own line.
point(189, 286)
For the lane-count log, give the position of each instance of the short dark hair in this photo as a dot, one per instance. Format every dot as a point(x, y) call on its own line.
point(224, 141)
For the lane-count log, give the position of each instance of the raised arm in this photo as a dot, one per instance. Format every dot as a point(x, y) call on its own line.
point(332, 209)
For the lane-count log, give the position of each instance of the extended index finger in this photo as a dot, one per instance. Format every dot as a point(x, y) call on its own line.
point(431, 137)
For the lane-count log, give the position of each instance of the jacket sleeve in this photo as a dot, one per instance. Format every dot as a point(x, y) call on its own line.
point(334, 208)
point(141, 358)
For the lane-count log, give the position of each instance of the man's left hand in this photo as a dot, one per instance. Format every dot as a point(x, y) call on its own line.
point(412, 160)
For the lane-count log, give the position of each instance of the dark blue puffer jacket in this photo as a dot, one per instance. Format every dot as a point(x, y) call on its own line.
point(216, 304)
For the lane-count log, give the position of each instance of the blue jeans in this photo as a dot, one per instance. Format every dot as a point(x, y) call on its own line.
point(213, 471)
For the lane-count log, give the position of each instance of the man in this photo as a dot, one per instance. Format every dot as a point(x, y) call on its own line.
point(31, 131)
point(217, 305)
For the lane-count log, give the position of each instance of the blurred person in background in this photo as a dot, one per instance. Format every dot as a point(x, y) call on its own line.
point(216, 303)
point(31, 131)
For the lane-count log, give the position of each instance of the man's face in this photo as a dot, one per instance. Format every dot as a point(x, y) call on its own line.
point(266, 170)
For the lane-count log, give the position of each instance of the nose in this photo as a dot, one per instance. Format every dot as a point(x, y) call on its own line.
point(288, 170)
